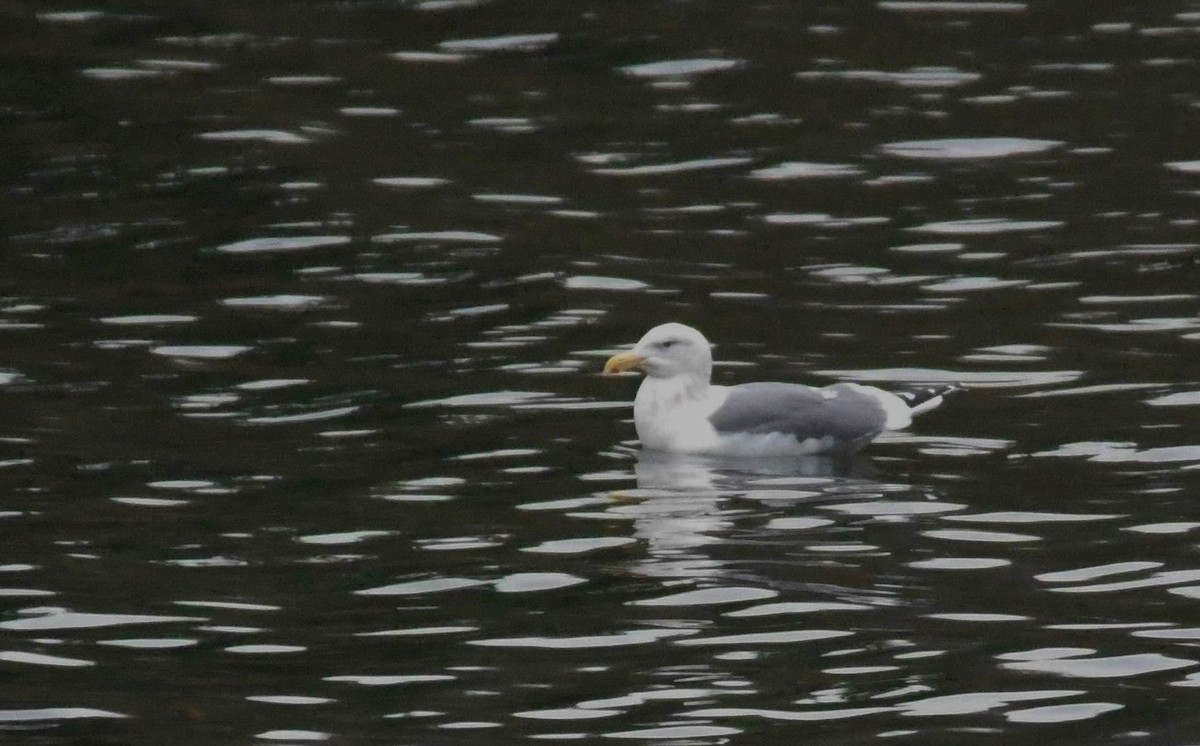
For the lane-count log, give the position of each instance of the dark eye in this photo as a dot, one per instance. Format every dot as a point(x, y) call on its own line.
point(667, 343)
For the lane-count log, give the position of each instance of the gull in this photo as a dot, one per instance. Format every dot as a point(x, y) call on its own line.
point(678, 409)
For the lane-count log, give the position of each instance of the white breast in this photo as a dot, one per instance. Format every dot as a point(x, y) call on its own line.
point(671, 414)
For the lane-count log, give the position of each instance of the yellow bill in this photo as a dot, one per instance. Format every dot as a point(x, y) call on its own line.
point(622, 362)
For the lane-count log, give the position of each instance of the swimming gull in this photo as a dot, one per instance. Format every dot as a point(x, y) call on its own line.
point(678, 409)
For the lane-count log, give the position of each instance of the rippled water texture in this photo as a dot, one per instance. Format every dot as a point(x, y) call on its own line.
point(302, 310)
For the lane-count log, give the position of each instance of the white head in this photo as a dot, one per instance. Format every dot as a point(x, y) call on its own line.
point(666, 351)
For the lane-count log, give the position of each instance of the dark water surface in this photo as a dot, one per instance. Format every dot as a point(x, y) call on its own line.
point(303, 305)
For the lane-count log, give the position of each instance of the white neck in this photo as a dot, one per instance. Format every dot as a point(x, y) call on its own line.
point(683, 387)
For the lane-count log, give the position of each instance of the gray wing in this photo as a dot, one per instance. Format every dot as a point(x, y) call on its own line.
point(840, 411)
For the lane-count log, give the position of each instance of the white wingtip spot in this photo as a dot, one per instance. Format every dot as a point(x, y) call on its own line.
point(927, 405)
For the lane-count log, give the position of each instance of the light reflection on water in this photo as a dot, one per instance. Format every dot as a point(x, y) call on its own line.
point(302, 318)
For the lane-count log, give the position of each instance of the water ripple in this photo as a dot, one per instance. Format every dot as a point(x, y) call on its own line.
point(267, 136)
point(800, 716)
point(527, 582)
point(505, 43)
point(281, 302)
point(708, 597)
point(796, 607)
point(985, 226)
point(1170, 577)
point(1096, 571)
point(1061, 713)
point(55, 713)
point(61, 619)
point(1014, 516)
point(578, 546)
point(294, 735)
point(805, 170)
point(675, 733)
point(962, 704)
point(917, 78)
point(201, 352)
point(680, 68)
point(660, 169)
point(968, 148)
point(980, 379)
point(390, 680)
point(609, 640)
point(997, 537)
point(1118, 666)
point(766, 638)
point(568, 713)
point(433, 585)
point(37, 659)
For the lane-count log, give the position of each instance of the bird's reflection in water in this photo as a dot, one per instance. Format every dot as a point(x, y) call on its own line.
point(683, 503)
point(675, 472)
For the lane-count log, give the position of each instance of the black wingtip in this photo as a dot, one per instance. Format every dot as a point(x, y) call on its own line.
point(914, 398)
